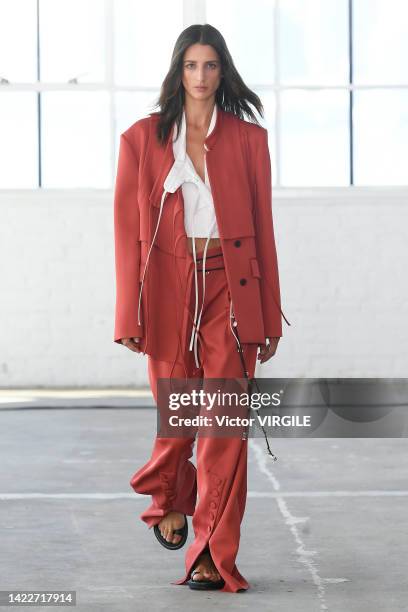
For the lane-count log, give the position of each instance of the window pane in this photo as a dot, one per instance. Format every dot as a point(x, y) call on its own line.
point(145, 34)
point(72, 40)
point(381, 137)
point(380, 41)
point(76, 139)
point(18, 40)
point(19, 140)
point(268, 100)
point(248, 32)
point(314, 138)
point(313, 41)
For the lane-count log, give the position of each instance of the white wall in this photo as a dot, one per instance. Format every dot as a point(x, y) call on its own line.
point(342, 254)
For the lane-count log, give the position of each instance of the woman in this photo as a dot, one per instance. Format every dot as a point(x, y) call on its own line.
point(193, 203)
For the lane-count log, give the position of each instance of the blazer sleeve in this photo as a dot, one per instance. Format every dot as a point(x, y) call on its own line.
point(265, 239)
point(127, 243)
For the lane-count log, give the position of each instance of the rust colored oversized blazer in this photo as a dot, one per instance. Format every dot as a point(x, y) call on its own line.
point(239, 171)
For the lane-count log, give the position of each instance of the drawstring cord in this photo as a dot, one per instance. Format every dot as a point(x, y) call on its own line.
point(193, 334)
point(177, 310)
point(165, 192)
point(246, 374)
point(196, 323)
point(196, 326)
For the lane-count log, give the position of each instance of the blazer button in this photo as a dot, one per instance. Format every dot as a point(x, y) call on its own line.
point(237, 243)
point(242, 281)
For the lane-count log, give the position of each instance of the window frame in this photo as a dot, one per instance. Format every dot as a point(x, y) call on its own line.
point(195, 12)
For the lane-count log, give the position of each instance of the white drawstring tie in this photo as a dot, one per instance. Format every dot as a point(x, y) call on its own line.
point(148, 255)
point(197, 321)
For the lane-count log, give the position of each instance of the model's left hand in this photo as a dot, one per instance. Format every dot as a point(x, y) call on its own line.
point(266, 351)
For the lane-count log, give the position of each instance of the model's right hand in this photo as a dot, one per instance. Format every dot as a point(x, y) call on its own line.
point(132, 344)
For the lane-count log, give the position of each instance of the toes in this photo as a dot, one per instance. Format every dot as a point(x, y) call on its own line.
point(196, 576)
point(162, 528)
point(200, 574)
point(166, 531)
point(204, 573)
point(207, 571)
point(167, 534)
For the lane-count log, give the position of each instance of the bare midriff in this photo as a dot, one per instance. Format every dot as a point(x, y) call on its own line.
point(200, 243)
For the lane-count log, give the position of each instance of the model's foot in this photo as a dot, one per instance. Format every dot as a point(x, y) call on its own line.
point(208, 571)
point(172, 521)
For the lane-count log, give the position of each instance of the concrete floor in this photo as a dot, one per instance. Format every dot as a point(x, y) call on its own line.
point(325, 526)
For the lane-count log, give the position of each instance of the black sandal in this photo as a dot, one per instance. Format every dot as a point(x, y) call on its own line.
point(183, 531)
point(204, 585)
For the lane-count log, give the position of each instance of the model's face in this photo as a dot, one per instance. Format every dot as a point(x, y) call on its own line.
point(201, 71)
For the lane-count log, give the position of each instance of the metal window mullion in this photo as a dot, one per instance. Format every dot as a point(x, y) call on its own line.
point(351, 91)
point(277, 90)
point(109, 78)
point(194, 12)
point(39, 126)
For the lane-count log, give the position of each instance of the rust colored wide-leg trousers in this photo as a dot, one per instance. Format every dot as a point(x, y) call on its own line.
point(220, 479)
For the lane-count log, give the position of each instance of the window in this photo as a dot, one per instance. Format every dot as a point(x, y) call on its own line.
point(74, 74)
point(334, 83)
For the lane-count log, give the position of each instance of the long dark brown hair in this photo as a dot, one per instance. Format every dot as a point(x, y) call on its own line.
point(232, 94)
